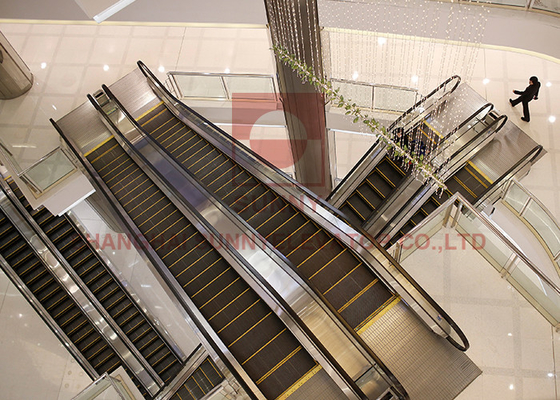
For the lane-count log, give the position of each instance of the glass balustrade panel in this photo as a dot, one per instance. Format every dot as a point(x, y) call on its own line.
point(201, 86)
point(483, 239)
point(516, 197)
point(50, 170)
point(544, 225)
point(356, 93)
point(250, 87)
point(416, 240)
point(538, 292)
point(547, 5)
point(393, 99)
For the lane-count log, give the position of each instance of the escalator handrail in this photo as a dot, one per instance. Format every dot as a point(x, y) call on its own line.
point(229, 139)
point(528, 158)
point(151, 78)
point(134, 232)
point(375, 145)
point(394, 381)
point(64, 264)
point(501, 121)
point(425, 98)
point(36, 304)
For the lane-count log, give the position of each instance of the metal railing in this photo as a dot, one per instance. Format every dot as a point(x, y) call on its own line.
point(536, 216)
point(494, 245)
point(105, 387)
point(376, 96)
point(223, 86)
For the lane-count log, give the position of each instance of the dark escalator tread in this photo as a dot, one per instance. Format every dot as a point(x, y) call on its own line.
point(205, 378)
point(213, 285)
point(102, 284)
point(319, 254)
point(65, 312)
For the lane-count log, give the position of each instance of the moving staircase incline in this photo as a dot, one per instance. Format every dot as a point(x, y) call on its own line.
point(116, 301)
point(205, 378)
point(385, 178)
point(42, 283)
point(257, 338)
point(469, 181)
point(373, 191)
point(336, 273)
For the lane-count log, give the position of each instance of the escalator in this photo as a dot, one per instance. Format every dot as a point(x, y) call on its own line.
point(347, 285)
point(201, 382)
point(333, 271)
point(97, 277)
point(269, 353)
point(471, 181)
point(389, 174)
point(42, 284)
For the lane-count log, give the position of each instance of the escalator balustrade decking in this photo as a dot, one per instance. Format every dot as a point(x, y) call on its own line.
point(372, 192)
point(384, 179)
point(116, 301)
point(470, 181)
point(56, 301)
point(350, 287)
point(257, 338)
point(205, 378)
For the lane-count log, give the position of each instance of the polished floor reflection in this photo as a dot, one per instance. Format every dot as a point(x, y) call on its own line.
point(512, 343)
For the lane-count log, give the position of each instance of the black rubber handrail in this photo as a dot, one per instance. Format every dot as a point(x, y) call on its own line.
point(323, 203)
point(374, 146)
point(529, 157)
point(402, 393)
point(144, 248)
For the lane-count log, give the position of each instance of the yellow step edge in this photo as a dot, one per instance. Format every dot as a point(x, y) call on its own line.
point(480, 172)
point(288, 392)
point(98, 146)
point(375, 316)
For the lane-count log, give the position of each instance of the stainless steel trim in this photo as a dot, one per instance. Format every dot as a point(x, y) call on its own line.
point(314, 209)
point(255, 258)
point(151, 318)
point(37, 306)
point(260, 168)
point(200, 326)
point(357, 175)
point(85, 299)
point(193, 362)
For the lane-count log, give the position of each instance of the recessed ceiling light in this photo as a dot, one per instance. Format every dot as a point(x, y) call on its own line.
point(511, 387)
point(43, 65)
point(226, 70)
point(485, 81)
point(414, 78)
point(355, 75)
point(161, 68)
point(551, 119)
point(548, 84)
point(105, 67)
point(382, 40)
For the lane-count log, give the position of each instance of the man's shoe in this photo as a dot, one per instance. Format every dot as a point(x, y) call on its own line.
point(511, 102)
point(523, 119)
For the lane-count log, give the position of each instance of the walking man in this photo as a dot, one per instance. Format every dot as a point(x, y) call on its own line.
point(530, 93)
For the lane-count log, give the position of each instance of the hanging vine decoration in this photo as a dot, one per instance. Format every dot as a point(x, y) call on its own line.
point(424, 170)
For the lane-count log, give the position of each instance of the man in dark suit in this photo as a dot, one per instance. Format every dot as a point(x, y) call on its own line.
point(531, 93)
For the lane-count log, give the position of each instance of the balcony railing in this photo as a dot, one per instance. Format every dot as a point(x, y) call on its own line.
point(536, 216)
point(494, 245)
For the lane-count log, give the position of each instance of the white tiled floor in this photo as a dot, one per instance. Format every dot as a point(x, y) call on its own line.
point(510, 341)
point(75, 56)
